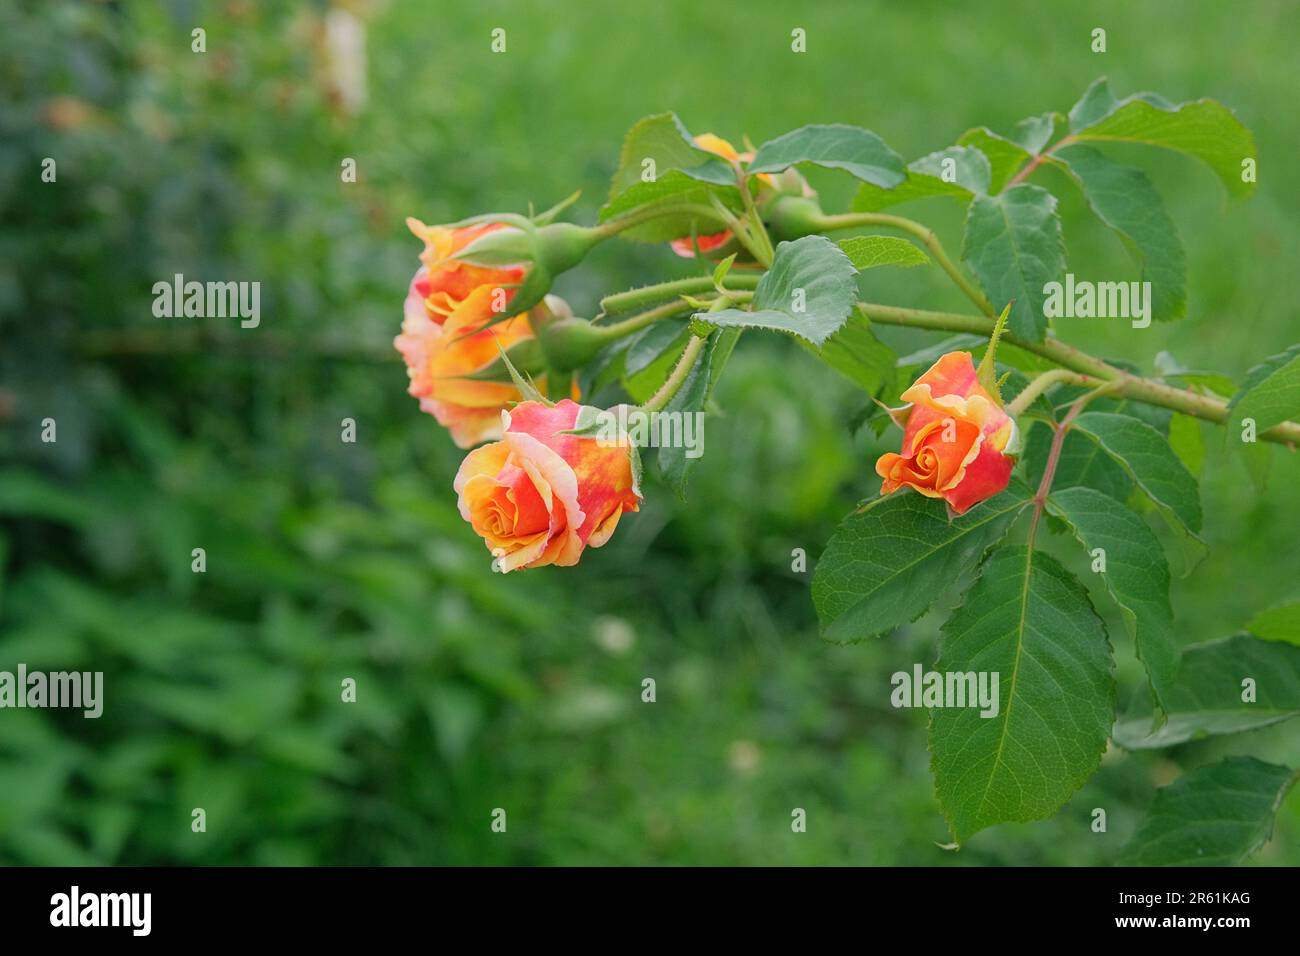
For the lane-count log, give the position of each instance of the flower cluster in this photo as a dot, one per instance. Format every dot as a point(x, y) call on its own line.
point(484, 343)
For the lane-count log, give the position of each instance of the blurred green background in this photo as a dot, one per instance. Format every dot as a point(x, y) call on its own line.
point(328, 560)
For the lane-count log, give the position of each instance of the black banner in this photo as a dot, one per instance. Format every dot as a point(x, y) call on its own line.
point(340, 905)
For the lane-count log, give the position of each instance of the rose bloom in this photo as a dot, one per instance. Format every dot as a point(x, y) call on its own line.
point(448, 299)
point(540, 497)
point(956, 438)
point(718, 145)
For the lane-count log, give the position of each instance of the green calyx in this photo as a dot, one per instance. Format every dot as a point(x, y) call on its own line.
point(543, 251)
point(570, 343)
point(790, 216)
point(566, 342)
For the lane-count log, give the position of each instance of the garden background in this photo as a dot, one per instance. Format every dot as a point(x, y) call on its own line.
point(328, 560)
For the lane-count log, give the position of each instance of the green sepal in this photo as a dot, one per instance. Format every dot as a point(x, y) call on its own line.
point(987, 373)
point(527, 389)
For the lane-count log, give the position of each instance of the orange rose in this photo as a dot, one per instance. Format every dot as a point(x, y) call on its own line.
point(719, 146)
point(540, 497)
point(447, 301)
point(956, 438)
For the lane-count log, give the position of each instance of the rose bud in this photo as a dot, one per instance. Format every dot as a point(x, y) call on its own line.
point(957, 441)
point(450, 332)
point(540, 496)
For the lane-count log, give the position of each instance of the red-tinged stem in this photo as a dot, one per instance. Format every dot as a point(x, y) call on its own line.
point(1049, 471)
point(1033, 164)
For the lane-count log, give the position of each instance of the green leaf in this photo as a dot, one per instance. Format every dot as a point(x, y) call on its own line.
point(1136, 575)
point(958, 171)
point(1270, 393)
point(886, 564)
point(809, 291)
point(1013, 245)
point(1004, 156)
point(1007, 154)
point(1146, 456)
point(683, 173)
point(1026, 619)
point(721, 269)
point(1035, 132)
point(663, 139)
point(720, 350)
point(834, 146)
point(1206, 696)
point(869, 252)
point(29, 494)
point(1203, 128)
point(1213, 816)
point(1257, 460)
point(1186, 441)
point(855, 352)
point(1123, 198)
point(1281, 623)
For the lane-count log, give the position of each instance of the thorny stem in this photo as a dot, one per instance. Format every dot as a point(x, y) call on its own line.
point(635, 323)
point(684, 365)
point(1119, 382)
point(636, 217)
point(616, 330)
point(683, 368)
point(1207, 407)
point(1086, 367)
point(651, 294)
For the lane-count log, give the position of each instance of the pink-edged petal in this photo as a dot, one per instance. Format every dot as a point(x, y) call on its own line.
point(986, 475)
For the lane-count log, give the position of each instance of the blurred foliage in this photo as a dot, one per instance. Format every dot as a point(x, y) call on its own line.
point(328, 560)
